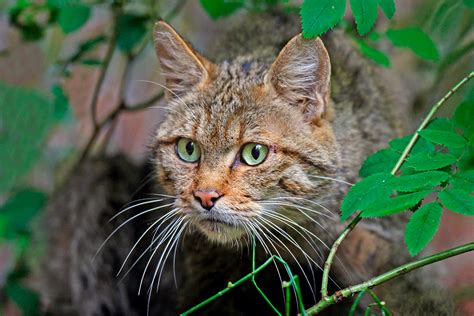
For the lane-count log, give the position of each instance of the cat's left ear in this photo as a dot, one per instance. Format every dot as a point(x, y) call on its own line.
point(182, 67)
point(301, 76)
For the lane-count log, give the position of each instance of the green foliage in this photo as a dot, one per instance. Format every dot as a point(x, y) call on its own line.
point(319, 16)
point(366, 192)
point(381, 161)
point(422, 227)
point(27, 300)
point(463, 180)
point(388, 206)
point(440, 163)
point(446, 138)
point(61, 103)
point(421, 145)
point(414, 39)
point(458, 200)
point(365, 14)
point(221, 8)
point(73, 17)
point(131, 29)
point(463, 117)
point(469, 3)
point(25, 119)
point(430, 161)
point(388, 7)
point(419, 181)
point(17, 213)
point(373, 54)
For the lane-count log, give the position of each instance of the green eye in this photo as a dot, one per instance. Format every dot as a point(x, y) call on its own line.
point(254, 154)
point(188, 150)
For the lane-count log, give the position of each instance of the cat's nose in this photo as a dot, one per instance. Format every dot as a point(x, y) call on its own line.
point(207, 197)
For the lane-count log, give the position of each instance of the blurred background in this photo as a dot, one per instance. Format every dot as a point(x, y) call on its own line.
point(73, 84)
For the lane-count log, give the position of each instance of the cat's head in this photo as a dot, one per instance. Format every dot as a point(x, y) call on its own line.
point(242, 141)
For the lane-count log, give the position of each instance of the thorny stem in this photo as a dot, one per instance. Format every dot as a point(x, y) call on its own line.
point(387, 276)
point(357, 219)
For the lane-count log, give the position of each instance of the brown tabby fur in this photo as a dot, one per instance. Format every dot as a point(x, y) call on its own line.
point(321, 109)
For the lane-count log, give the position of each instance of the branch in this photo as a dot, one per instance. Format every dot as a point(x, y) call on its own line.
point(357, 219)
point(387, 276)
point(103, 72)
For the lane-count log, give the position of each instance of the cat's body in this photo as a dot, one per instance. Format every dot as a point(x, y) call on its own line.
point(245, 96)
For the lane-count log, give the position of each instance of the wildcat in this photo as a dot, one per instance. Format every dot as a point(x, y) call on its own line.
point(261, 141)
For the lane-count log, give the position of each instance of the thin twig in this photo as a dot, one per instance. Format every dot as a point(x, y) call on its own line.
point(100, 82)
point(387, 276)
point(357, 219)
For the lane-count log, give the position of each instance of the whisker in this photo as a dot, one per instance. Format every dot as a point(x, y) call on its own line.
point(163, 219)
point(332, 179)
point(165, 232)
point(278, 254)
point(310, 242)
point(175, 226)
point(331, 213)
point(254, 228)
point(126, 222)
point(167, 89)
point(152, 200)
point(291, 240)
point(331, 217)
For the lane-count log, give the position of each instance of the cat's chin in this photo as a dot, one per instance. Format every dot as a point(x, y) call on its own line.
point(220, 232)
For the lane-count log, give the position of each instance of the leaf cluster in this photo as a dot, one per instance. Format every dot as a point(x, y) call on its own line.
point(439, 166)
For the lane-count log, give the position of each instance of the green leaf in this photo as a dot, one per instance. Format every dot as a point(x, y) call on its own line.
point(87, 46)
point(424, 180)
point(415, 39)
point(319, 16)
point(448, 139)
point(430, 161)
point(469, 3)
point(26, 299)
point(130, 29)
point(388, 7)
point(458, 201)
point(464, 118)
point(19, 210)
point(221, 8)
point(365, 14)
point(390, 206)
point(463, 180)
point(25, 119)
point(61, 103)
point(373, 54)
point(92, 62)
point(441, 124)
point(422, 227)
point(381, 161)
point(467, 160)
point(421, 145)
point(366, 192)
point(73, 17)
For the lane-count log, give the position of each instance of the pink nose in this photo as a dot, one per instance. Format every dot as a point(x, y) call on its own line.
point(207, 197)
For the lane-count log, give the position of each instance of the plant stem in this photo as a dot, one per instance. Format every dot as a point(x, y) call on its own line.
point(428, 118)
point(229, 287)
point(387, 276)
point(409, 147)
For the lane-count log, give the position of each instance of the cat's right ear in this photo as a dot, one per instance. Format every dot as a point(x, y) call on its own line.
point(182, 67)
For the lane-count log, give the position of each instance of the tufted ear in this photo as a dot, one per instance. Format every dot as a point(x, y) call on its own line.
point(301, 75)
point(182, 67)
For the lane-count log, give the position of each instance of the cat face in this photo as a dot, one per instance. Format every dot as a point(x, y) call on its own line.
point(243, 141)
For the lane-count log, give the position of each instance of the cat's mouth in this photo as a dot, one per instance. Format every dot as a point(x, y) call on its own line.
point(218, 229)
